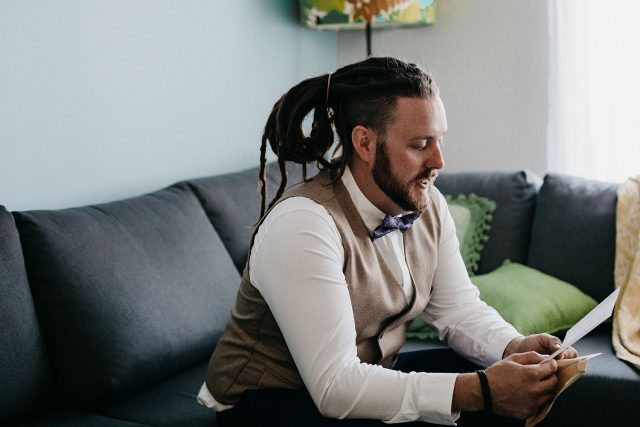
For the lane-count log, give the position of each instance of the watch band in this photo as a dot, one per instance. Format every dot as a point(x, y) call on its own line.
point(486, 391)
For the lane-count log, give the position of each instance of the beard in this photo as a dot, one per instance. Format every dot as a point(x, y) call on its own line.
point(399, 192)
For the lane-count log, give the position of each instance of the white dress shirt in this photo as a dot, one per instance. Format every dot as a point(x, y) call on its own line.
point(296, 264)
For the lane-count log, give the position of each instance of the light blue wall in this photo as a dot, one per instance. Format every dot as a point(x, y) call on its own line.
point(105, 99)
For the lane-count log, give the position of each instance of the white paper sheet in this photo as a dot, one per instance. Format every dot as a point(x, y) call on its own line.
point(588, 323)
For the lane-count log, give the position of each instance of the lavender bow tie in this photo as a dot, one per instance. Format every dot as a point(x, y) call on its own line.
point(391, 223)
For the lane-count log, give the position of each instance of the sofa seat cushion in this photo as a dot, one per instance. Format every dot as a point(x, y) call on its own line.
point(172, 402)
point(25, 377)
point(73, 419)
point(514, 194)
point(129, 293)
point(603, 396)
point(574, 233)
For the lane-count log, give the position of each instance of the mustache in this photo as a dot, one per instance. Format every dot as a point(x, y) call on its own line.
point(430, 174)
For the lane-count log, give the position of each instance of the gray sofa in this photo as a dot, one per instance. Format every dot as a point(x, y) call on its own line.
point(110, 312)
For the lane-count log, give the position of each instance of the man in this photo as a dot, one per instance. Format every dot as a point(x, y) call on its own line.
point(328, 290)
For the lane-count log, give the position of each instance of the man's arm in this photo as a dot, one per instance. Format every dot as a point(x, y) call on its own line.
point(465, 322)
point(519, 384)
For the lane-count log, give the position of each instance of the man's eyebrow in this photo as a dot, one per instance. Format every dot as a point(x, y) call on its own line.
point(423, 137)
point(429, 136)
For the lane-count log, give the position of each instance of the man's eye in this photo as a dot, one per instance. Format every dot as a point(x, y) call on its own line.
point(425, 144)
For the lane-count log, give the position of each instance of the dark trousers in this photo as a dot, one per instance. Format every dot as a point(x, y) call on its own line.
point(284, 408)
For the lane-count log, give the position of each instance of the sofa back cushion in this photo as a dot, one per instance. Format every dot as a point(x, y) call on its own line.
point(232, 203)
point(25, 378)
point(514, 194)
point(129, 292)
point(574, 233)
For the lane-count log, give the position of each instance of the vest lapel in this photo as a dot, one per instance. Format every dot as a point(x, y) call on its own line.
point(370, 250)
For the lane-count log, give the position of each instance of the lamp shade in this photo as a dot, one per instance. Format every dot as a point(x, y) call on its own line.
point(354, 14)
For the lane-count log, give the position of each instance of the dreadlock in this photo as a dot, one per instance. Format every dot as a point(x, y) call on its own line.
point(363, 93)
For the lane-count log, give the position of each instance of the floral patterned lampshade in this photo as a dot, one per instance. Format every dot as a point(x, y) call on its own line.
point(356, 14)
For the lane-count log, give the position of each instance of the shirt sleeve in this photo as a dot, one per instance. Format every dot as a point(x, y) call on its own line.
point(296, 264)
point(455, 309)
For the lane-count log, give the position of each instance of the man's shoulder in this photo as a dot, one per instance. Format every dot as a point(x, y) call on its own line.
point(297, 203)
point(319, 188)
point(292, 221)
point(296, 207)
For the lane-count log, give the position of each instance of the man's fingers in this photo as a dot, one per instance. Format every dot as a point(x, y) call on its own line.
point(548, 383)
point(546, 391)
point(549, 342)
point(569, 353)
point(547, 369)
point(528, 358)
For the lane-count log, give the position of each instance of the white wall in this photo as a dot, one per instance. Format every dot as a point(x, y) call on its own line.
point(490, 59)
point(101, 100)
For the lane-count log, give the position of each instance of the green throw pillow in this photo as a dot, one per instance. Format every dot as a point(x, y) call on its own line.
point(472, 216)
point(533, 302)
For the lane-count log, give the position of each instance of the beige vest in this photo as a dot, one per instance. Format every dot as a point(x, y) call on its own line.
point(252, 353)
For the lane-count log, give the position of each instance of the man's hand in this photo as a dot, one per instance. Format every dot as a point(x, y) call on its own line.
point(540, 343)
point(520, 384)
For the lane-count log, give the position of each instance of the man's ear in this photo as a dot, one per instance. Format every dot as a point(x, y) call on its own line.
point(364, 143)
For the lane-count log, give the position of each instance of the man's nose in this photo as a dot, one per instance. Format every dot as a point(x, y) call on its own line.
point(435, 158)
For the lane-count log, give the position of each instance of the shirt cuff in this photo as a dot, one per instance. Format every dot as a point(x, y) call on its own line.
point(206, 399)
point(499, 344)
point(435, 397)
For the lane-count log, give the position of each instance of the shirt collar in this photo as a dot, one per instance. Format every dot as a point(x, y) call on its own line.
point(371, 215)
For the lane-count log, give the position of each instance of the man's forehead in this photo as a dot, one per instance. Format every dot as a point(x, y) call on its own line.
point(426, 112)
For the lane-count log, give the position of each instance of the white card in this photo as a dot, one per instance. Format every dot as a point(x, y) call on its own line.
point(588, 323)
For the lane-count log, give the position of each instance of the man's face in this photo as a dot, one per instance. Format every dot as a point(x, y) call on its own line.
point(409, 155)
